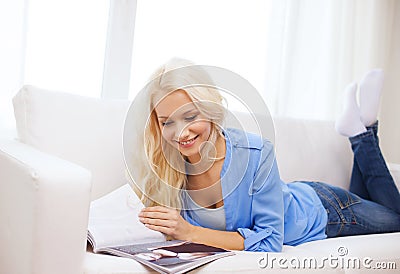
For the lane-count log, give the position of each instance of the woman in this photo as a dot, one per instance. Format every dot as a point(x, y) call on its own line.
point(222, 187)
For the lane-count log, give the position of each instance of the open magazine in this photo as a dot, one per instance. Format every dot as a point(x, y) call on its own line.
point(114, 228)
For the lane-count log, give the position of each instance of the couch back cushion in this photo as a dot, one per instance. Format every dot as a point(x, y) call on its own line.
point(85, 131)
point(312, 150)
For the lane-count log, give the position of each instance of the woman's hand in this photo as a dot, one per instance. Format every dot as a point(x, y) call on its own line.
point(172, 224)
point(167, 221)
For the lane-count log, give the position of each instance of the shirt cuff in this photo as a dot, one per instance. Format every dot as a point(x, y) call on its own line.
point(253, 239)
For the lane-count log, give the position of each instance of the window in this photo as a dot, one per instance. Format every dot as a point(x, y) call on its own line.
point(66, 45)
point(225, 33)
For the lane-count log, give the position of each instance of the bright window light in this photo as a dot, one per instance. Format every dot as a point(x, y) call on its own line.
point(225, 33)
point(66, 45)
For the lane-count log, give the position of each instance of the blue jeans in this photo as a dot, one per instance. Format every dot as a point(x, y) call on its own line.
point(373, 203)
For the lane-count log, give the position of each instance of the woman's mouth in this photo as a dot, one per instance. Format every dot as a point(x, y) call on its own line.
point(187, 143)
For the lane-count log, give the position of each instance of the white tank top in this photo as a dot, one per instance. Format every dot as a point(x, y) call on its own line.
point(213, 218)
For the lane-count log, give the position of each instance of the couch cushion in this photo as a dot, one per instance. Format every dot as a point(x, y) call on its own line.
point(312, 150)
point(85, 131)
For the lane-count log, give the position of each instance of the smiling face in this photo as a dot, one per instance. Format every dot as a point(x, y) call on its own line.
point(182, 124)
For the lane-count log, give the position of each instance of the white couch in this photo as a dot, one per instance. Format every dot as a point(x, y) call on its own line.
point(69, 151)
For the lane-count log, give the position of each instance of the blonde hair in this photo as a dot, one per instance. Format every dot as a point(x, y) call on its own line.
point(162, 174)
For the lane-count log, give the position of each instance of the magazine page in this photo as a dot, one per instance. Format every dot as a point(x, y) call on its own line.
point(113, 221)
point(175, 257)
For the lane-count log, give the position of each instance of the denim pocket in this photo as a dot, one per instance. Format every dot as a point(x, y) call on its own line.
point(337, 202)
point(343, 198)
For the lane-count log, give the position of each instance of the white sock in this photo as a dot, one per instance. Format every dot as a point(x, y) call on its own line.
point(349, 123)
point(370, 93)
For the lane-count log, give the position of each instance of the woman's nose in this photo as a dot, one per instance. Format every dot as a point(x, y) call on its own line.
point(182, 131)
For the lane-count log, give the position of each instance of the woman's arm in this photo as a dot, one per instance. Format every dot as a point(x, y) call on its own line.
point(171, 223)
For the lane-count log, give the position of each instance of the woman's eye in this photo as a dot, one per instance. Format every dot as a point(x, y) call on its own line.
point(166, 123)
point(191, 118)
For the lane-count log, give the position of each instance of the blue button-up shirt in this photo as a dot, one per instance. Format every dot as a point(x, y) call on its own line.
point(264, 210)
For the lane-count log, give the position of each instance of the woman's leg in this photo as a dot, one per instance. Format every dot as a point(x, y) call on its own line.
point(375, 175)
point(348, 214)
point(379, 208)
point(357, 182)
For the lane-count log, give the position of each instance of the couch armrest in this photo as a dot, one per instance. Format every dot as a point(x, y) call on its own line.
point(44, 206)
